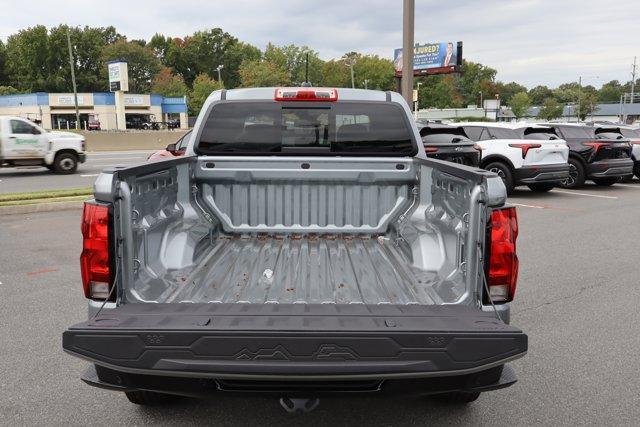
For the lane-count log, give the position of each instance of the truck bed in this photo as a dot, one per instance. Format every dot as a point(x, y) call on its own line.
point(312, 269)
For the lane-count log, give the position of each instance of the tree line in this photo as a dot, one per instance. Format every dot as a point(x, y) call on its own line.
point(36, 59)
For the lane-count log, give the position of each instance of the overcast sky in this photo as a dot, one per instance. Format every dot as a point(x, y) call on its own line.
point(530, 41)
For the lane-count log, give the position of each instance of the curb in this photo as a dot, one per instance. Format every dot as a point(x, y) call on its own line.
point(41, 207)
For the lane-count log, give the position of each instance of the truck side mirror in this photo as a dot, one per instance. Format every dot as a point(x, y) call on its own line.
point(172, 148)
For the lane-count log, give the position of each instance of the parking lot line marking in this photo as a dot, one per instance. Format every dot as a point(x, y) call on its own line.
point(528, 206)
point(628, 186)
point(117, 158)
point(578, 193)
point(89, 175)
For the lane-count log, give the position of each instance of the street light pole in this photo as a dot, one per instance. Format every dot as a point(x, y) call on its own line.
point(417, 99)
point(73, 79)
point(220, 67)
point(408, 12)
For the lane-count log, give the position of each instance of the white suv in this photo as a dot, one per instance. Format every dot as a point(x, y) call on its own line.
point(539, 164)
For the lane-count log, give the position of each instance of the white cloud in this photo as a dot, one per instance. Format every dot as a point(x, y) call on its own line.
point(529, 41)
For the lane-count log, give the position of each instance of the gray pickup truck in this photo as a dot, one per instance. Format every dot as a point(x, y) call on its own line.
point(304, 246)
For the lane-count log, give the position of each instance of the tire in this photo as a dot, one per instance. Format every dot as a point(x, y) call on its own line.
point(65, 163)
point(576, 175)
point(457, 397)
point(541, 188)
point(503, 172)
point(605, 182)
point(148, 398)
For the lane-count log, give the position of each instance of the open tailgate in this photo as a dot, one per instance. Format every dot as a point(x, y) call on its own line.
point(245, 341)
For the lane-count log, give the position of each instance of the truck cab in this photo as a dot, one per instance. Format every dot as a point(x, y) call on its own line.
point(24, 143)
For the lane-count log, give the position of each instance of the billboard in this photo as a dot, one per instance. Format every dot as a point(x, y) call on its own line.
point(118, 76)
point(432, 58)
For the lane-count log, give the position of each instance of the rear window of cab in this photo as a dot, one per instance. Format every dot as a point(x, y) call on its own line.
point(303, 128)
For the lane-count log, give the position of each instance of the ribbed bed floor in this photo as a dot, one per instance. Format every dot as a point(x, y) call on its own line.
point(305, 269)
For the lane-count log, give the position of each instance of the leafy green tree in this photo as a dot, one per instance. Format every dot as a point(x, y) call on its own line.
point(233, 58)
point(519, 104)
point(540, 94)
point(292, 59)
point(473, 79)
point(610, 92)
point(507, 90)
point(3, 62)
point(167, 84)
point(263, 73)
point(335, 73)
point(160, 45)
point(550, 109)
point(28, 58)
point(200, 53)
point(8, 90)
point(203, 85)
point(142, 63)
point(378, 72)
point(586, 104)
point(567, 92)
point(438, 91)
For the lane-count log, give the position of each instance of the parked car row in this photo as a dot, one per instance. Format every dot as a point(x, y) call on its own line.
point(540, 156)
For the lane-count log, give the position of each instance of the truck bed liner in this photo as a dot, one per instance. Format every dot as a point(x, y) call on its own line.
point(295, 341)
point(310, 269)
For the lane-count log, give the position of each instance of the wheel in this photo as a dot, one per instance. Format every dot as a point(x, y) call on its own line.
point(148, 398)
point(605, 182)
point(541, 188)
point(457, 397)
point(65, 163)
point(504, 172)
point(576, 175)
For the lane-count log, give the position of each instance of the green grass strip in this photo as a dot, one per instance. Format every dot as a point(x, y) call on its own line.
point(39, 195)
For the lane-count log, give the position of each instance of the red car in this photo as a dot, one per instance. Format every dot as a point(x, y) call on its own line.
point(176, 149)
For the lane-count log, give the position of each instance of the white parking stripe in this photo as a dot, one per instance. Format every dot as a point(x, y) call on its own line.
point(130, 153)
point(117, 158)
point(90, 175)
point(527, 206)
point(578, 193)
point(637, 187)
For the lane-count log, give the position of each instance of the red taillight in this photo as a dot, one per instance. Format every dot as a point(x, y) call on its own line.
point(503, 260)
point(525, 148)
point(306, 94)
point(430, 149)
point(94, 260)
point(596, 145)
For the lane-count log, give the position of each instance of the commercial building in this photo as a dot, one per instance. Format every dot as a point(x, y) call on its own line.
point(57, 110)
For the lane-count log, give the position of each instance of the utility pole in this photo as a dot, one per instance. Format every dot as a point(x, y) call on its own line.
point(351, 62)
point(366, 83)
point(408, 21)
point(220, 67)
point(633, 78)
point(73, 79)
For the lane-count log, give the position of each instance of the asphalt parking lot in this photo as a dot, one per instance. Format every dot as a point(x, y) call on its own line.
point(577, 300)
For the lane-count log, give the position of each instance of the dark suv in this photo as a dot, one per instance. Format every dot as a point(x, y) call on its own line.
point(595, 154)
point(449, 143)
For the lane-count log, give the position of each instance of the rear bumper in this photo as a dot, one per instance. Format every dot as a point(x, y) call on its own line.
point(303, 344)
point(610, 168)
point(542, 173)
point(492, 379)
